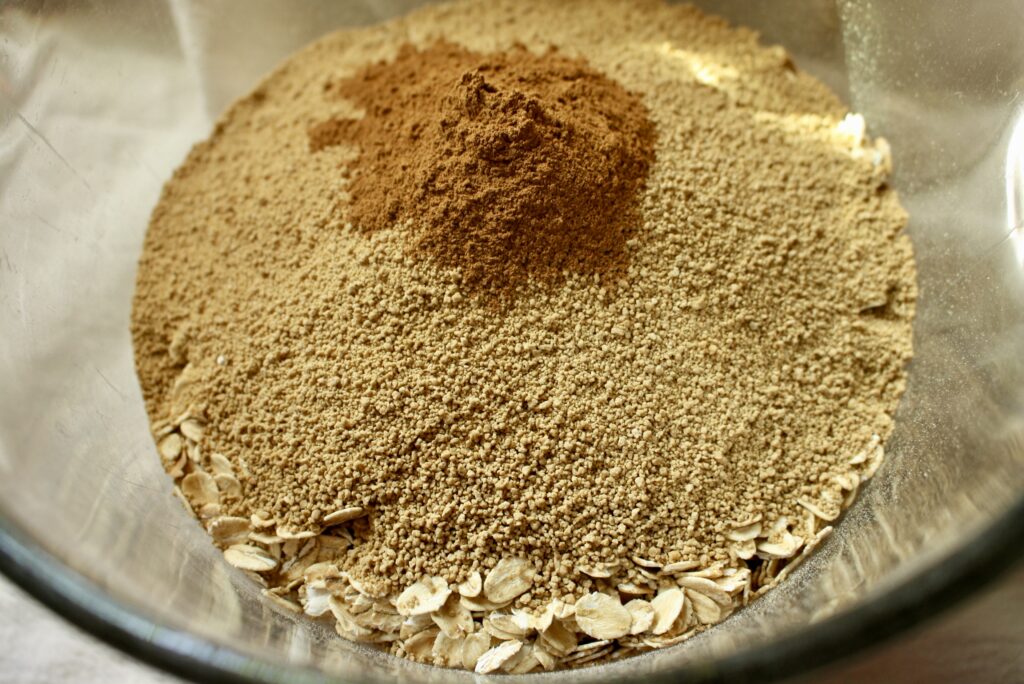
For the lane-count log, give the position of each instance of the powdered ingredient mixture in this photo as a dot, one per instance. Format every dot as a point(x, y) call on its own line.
point(683, 381)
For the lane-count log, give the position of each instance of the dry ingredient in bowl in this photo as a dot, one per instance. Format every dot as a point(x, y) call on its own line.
point(507, 165)
point(525, 335)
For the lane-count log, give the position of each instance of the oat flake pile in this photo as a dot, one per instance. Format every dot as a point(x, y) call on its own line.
point(514, 335)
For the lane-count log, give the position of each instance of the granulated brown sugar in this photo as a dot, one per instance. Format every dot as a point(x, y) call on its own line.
point(470, 149)
point(469, 484)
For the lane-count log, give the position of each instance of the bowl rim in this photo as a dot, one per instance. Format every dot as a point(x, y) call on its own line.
point(948, 580)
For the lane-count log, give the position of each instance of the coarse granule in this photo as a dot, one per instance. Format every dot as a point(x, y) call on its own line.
point(688, 414)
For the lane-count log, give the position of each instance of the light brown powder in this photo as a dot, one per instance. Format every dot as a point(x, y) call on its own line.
point(756, 341)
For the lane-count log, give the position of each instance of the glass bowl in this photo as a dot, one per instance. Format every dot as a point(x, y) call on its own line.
point(101, 100)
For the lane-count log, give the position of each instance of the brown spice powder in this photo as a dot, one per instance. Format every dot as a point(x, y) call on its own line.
point(507, 165)
point(753, 344)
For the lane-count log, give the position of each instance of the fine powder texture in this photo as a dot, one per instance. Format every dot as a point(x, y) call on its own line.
point(506, 166)
point(736, 366)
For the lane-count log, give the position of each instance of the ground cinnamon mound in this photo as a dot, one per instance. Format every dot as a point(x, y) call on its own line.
point(505, 165)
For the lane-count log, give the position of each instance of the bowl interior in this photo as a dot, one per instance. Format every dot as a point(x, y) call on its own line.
point(101, 101)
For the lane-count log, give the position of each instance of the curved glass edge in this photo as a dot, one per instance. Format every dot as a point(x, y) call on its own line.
point(946, 583)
